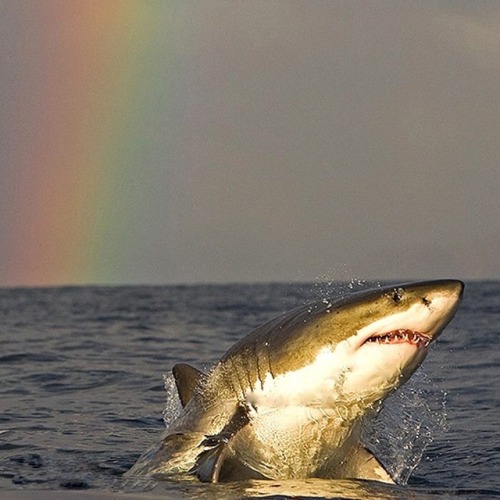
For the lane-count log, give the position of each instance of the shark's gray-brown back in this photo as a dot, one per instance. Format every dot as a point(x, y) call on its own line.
point(289, 400)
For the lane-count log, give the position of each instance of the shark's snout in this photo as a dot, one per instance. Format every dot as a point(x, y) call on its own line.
point(436, 303)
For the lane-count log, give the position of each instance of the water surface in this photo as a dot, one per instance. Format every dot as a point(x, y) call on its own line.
point(82, 391)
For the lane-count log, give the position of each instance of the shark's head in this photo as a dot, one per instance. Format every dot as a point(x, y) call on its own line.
point(384, 335)
point(359, 348)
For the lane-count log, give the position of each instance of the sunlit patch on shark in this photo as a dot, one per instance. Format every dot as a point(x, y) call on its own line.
point(289, 400)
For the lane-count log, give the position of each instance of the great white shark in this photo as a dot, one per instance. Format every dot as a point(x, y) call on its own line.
point(288, 401)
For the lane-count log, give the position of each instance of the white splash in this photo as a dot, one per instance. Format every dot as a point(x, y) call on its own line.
point(409, 421)
point(173, 406)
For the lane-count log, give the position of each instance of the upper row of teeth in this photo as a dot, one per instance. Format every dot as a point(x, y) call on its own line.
point(402, 335)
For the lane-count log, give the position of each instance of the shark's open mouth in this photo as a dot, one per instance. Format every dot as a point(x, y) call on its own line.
point(401, 337)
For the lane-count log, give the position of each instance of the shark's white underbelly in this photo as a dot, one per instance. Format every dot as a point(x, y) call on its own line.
point(292, 442)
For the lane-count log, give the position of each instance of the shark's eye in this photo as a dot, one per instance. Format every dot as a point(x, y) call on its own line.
point(397, 295)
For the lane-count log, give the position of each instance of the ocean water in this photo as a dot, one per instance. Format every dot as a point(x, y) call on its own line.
point(83, 392)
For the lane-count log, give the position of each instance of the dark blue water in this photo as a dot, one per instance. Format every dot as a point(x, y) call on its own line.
point(82, 390)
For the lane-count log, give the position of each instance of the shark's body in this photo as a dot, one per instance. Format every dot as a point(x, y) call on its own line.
point(288, 401)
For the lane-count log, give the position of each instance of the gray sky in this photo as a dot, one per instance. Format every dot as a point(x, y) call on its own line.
point(331, 139)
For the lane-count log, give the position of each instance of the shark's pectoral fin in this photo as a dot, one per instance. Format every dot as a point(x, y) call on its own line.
point(362, 464)
point(186, 378)
point(210, 461)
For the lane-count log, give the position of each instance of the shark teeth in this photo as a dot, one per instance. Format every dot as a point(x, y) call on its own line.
point(400, 337)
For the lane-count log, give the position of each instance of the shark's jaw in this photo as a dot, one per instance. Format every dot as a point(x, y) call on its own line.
point(401, 336)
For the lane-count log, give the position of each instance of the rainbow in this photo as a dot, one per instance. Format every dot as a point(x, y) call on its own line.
point(89, 75)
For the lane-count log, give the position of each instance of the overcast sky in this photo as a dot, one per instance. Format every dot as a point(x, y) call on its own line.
point(313, 139)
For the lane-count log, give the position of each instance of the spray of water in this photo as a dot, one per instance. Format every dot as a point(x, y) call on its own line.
point(173, 405)
point(408, 422)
